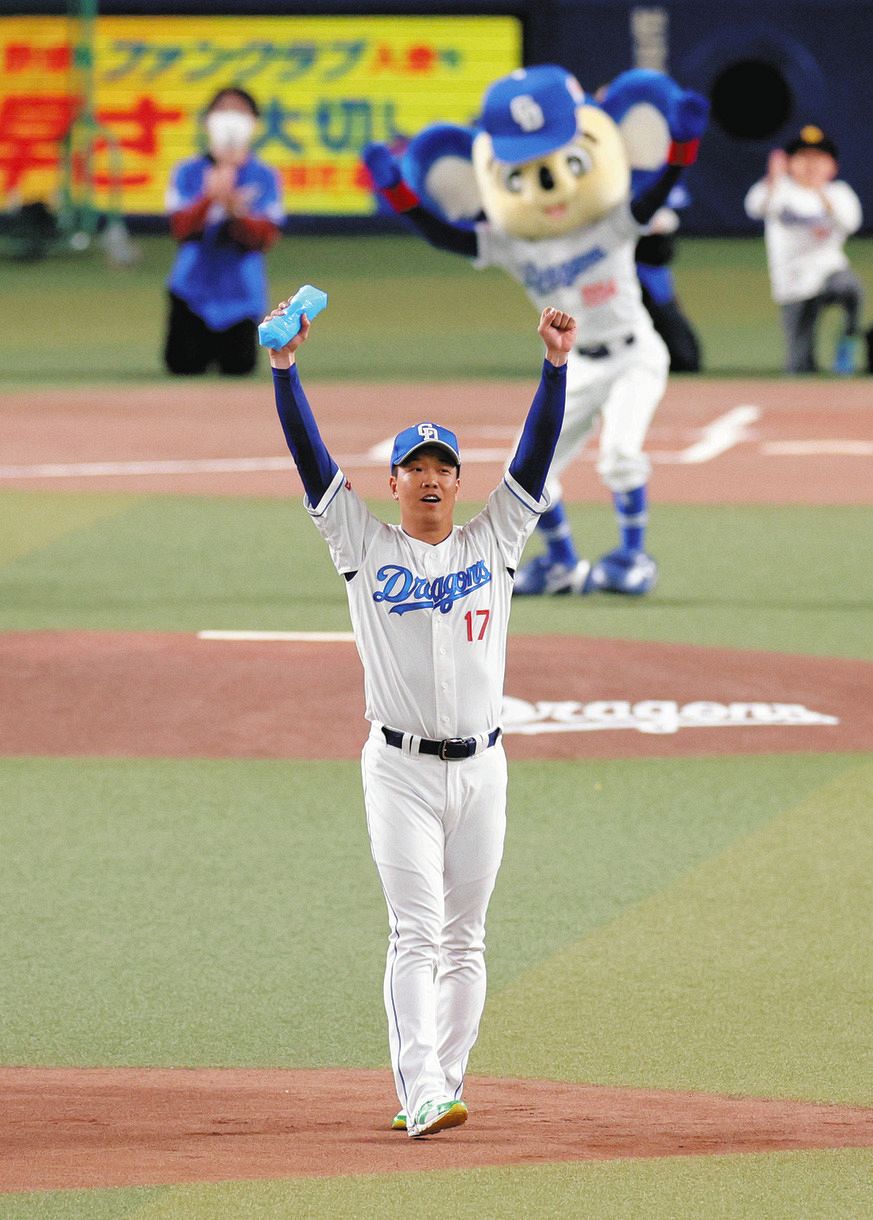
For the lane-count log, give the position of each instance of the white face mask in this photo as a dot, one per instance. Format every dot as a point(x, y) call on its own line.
point(229, 131)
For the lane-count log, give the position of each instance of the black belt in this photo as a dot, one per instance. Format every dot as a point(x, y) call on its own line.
point(603, 349)
point(452, 747)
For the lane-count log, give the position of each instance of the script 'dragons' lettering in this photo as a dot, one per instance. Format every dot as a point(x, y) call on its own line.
point(406, 591)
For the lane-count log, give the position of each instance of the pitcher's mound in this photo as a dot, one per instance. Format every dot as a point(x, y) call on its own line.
point(63, 1128)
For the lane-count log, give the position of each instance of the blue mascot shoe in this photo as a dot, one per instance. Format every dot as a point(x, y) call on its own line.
point(621, 571)
point(543, 576)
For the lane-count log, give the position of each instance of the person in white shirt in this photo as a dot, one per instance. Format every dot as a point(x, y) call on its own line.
point(807, 216)
point(429, 602)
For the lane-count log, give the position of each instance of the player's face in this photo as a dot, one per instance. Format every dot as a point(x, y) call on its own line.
point(812, 168)
point(426, 488)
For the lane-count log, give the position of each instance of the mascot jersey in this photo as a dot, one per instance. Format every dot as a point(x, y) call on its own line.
point(589, 273)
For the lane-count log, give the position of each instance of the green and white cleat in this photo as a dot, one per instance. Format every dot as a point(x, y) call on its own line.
point(398, 1122)
point(434, 1116)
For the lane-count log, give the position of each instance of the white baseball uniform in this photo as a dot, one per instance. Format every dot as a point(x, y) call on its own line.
point(430, 623)
point(590, 273)
point(804, 238)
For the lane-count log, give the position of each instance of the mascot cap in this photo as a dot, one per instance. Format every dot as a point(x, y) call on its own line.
point(811, 136)
point(420, 436)
point(531, 112)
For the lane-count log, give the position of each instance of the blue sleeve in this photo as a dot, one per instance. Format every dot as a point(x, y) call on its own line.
point(536, 448)
point(314, 464)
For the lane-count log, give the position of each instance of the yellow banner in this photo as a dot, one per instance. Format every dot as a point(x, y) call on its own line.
point(325, 86)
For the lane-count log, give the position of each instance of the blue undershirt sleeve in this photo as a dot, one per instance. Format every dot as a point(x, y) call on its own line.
point(314, 464)
point(536, 448)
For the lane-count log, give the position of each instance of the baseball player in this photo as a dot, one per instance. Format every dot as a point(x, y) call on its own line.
point(429, 604)
point(543, 162)
point(807, 217)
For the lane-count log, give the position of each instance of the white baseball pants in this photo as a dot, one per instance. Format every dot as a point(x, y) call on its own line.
point(436, 832)
point(624, 389)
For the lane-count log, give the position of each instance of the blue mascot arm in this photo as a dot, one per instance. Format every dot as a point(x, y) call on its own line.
point(388, 181)
point(687, 119)
point(684, 114)
point(438, 165)
point(382, 165)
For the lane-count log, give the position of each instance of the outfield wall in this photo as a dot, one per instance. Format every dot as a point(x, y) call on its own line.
point(767, 67)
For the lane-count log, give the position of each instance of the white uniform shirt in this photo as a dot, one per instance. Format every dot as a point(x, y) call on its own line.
point(589, 273)
point(430, 622)
point(804, 241)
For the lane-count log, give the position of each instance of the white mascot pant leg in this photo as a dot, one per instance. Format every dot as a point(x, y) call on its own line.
point(624, 390)
point(627, 412)
point(436, 832)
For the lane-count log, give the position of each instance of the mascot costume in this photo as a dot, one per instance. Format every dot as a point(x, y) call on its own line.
point(542, 188)
point(624, 100)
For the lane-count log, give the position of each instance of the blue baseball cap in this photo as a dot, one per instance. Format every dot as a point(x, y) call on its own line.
point(531, 112)
point(418, 437)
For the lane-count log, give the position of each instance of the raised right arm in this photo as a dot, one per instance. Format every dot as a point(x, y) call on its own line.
point(315, 466)
point(536, 447)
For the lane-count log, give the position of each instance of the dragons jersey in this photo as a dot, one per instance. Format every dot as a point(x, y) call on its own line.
point(804, 237)
point(430, 622)
point(589, 273)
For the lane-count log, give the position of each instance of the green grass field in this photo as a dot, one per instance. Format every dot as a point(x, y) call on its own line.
point(675, 923)
point(791, 579)
point(812, 1185)
point(398, 309)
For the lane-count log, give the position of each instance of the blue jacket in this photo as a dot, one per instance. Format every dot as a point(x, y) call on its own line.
point(216, 278)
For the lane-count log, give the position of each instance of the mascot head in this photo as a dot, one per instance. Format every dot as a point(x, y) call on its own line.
point(546, 160)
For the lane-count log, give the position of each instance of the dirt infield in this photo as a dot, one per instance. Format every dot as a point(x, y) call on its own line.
point(712, 442)
point(86, 1128)
point(172, 695)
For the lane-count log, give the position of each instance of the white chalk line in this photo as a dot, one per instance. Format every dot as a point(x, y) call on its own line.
point(724, 433)
point(72, 470)
point(719, 436)
point(289, 637)
point(716, 438)
point(833, 448)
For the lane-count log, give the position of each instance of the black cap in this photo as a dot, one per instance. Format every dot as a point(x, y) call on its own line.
point(812, 137)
